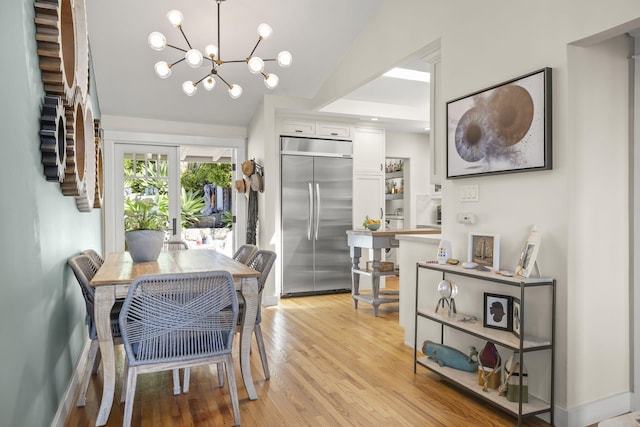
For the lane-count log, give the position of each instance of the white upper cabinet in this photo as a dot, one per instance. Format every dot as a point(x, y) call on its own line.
point(315, 129)
point(368, 150)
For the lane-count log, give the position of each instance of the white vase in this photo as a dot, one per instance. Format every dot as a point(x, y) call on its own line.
point(144, 245)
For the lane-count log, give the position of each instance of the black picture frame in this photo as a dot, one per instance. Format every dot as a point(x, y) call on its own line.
point(498, 312)
point(516, 314)
point(502, 129)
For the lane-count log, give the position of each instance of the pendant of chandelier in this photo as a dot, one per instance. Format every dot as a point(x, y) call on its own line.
point(194, 58)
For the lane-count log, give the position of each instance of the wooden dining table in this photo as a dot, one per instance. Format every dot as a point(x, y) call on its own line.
point(114, 278)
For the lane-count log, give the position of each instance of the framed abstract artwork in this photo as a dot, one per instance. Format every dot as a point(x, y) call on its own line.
point(502, 129)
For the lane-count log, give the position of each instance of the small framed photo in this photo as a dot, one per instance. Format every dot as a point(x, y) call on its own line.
point(527, 260)
point(484, 249)
point(498, 312)
point(516, 315)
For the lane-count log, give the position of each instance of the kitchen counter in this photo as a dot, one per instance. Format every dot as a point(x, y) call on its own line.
point(376, 241)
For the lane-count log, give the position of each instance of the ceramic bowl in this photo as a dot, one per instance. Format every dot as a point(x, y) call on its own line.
point(373, 227)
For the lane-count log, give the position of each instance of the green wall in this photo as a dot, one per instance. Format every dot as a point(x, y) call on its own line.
point(42, 326)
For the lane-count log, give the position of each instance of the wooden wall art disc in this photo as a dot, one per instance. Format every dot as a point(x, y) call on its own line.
point(81, 48)
point(73, 181)
point(98, 199)
point(52, 138)
point(56, 40)
point(85, 199)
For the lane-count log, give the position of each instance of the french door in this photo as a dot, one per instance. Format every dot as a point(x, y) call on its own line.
point(148, 172)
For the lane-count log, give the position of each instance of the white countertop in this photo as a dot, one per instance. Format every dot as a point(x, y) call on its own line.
point(419, 238)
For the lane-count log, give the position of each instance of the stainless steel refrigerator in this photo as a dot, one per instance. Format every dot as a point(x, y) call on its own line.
point(316, 177)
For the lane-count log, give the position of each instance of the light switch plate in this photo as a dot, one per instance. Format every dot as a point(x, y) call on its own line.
point(469, 193)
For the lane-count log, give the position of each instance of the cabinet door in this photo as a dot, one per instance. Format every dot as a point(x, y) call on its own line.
point(298, 127)
point(368, 197)
point(332, 130)
point(368, 150)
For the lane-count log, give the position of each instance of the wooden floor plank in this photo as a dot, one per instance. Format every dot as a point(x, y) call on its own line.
point(331, 365)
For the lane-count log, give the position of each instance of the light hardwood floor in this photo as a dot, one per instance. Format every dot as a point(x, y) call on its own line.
point(331, 365)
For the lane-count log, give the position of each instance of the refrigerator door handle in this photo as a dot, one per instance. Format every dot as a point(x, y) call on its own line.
point(310, 212)
point(317, 209)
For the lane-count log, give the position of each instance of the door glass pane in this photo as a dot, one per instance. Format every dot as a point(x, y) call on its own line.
point(206, 198)
point(146, 190)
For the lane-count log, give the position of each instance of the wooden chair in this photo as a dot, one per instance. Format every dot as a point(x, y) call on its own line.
point(84, 269)
point(244, 253)
point(179, 320)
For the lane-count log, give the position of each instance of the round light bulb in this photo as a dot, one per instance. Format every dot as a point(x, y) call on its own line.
point(271, 81)
point(193, 57)
point(285, 59)
point(211, 51)
point(189, 88)
point(264, 30)
point(256, 65)
point(163, 70)
point(175, 17)
point(209, 83)
point(235, 91)
point(157, 41)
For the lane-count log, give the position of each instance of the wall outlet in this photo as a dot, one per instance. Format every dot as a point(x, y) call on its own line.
point(466, 218)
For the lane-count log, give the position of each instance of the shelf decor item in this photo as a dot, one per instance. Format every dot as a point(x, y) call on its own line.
point(444, 355)
point(484, 250)
point(529, 255)
point(516, 315)
point(504, 128)
point(489, 364)
point(498, 312)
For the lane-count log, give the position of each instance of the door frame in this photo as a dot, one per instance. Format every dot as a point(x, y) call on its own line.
point(112, 137)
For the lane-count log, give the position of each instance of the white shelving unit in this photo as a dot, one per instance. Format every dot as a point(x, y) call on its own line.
point(523, 344)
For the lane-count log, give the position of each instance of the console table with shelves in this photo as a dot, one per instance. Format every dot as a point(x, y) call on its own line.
point(522, 344)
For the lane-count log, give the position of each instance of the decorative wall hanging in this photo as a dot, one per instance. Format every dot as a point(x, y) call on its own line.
point(74, 171)
point(86, 195)
point(502, 129)
point(98, 198)
point(52, 138)
point(56, 38)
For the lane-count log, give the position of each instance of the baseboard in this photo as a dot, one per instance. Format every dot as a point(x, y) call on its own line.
point(67, 400)
point(594, 412)
point(269, 301)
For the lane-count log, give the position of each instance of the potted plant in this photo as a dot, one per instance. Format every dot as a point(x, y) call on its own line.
point(145, 225)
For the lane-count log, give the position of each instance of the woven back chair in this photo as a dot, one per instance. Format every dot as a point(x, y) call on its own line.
point(244, 253)
point(84, 269)
point(175, 245)
point(179, 320)
point(94, 256)
point(262, 261)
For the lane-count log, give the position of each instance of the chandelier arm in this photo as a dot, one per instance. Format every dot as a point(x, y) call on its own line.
point(256, 46)
point(223, 80)
point(177, 48)
point(231, 62)
point(271, 59)
point(177, 62)
point(219, 47)
point(198, 82)
point(185, 37)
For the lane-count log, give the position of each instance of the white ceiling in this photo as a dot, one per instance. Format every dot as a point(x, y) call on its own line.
point(317, 33)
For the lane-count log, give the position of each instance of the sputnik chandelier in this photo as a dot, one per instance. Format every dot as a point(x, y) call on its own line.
point(195, 58)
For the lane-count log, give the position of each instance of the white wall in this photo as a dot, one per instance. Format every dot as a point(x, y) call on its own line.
point(494, 41)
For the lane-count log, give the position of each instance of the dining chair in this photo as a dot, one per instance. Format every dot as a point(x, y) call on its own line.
point(184, 320)
point(262, 261)
point(94, 256)
point(175, 245)
point(84, 269)
point(244, 253)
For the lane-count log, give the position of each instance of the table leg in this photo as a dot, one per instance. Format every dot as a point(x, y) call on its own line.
point(103, 302)
point(356, 253)
point(375, 281)
point(250, 294)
